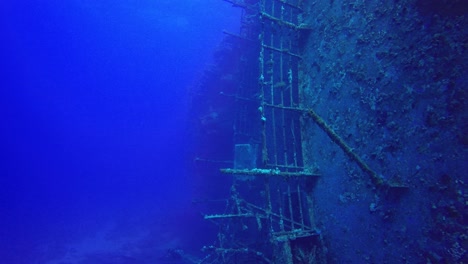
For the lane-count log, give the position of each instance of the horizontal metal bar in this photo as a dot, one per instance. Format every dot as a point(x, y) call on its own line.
point(285, 51)
point(278, 217)
point(218, 216)
point(292, 235)
point(289, 4)
point(278, 21)
point(289, 108)
point(285, 167)
point(269, 172)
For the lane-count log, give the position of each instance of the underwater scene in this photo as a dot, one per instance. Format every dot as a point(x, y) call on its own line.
point(234, 131)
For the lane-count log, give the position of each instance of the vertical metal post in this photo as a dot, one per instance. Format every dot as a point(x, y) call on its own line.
point(272, 92)
point(261, 80)
point(281, 214)
point(291, 215)
point(281, 81)
point(310, 206)
point(299, 199)
point(295, 148)
point(269, 208)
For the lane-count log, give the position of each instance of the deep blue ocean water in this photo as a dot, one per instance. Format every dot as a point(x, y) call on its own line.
point(116, 118)
point(93, 101)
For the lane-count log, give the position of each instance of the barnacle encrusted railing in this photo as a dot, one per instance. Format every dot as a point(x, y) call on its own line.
point(269, 216)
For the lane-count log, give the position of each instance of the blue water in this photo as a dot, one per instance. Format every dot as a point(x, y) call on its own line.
point(93, 99)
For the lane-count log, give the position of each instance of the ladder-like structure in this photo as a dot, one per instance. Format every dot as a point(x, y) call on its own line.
point(269, 216)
